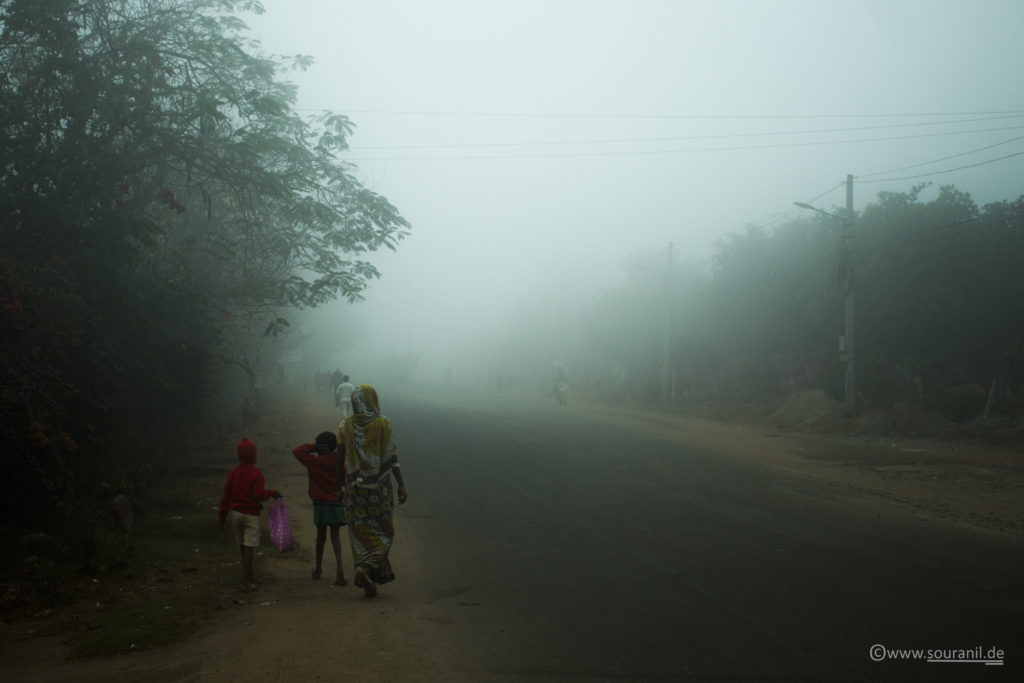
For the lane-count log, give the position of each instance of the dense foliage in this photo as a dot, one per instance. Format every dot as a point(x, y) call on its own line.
point(159, 195)
point(937, 286)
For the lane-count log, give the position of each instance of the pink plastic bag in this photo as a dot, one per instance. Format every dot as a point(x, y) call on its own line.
point(280, 527)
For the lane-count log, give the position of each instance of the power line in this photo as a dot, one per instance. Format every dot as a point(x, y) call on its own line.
point(776, 219)
point(584, 115)
point(879, 242)
point(875, 243)
point(835, 187)
point(678, 138)
point(550, 155)
point(948, 170)
point(935, 161)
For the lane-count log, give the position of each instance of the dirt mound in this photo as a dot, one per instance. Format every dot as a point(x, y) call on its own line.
point(811, 409)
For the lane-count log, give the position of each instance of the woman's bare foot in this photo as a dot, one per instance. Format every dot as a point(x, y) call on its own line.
point(316, 573)
point(340, 580)
point(364, 581)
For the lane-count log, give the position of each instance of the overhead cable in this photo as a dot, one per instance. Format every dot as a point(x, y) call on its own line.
point(947, 158)
point(678, 138)
point(948, 170)
point(782, 145)
point(664, 116)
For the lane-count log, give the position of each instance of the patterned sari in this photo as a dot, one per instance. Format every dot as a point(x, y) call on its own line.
point(369, 451)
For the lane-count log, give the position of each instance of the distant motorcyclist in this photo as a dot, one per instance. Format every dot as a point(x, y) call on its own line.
point(561, 387)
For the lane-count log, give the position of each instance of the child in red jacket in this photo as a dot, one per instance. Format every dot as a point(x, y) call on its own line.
point(241, 500)
point(319, 460)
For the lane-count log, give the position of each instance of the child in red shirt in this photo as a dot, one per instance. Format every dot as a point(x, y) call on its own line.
point(318, 459)
point(241, 501)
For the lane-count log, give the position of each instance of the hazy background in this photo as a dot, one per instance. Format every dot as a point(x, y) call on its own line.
point(542, 150)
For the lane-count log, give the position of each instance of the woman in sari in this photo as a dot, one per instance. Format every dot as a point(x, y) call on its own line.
point(367, 461)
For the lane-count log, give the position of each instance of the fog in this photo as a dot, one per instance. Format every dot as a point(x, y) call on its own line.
point(545, 151)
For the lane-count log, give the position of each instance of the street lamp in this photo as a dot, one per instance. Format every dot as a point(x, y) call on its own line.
point(803, 205)
point(846, 276)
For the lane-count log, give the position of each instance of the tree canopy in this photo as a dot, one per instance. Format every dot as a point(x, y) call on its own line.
point(157, 187)
point(937, 292)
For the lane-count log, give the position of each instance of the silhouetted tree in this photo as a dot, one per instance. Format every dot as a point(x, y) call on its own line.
point(937, 292)
point(156, 186)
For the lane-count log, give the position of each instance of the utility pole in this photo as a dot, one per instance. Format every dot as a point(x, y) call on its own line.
point(850, 383)
point(666, 373)
point(846, 279)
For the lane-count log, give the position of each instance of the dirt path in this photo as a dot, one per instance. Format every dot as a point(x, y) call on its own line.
point(269, 635)
point(260, 637)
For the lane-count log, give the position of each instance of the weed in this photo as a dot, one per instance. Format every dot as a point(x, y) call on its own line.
point(155, 585)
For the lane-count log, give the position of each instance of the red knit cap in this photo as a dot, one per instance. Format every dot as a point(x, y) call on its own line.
point(246, 452)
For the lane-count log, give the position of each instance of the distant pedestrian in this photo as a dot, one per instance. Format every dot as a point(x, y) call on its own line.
point(241, 502)
point(343, 397)
point(250, 408)
point(367, 460)
point(319, 460)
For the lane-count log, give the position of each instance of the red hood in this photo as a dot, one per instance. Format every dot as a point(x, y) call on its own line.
point(246, 452)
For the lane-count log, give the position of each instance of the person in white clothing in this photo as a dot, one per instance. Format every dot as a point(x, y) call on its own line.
point(343, 397)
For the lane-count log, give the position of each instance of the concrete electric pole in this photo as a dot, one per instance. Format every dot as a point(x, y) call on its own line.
point(666, 370)
point(850, 383)
point(846, 280)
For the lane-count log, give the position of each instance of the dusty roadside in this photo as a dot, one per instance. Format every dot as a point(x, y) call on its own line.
point(958, 481)
point(246, 636)
point(258, 637)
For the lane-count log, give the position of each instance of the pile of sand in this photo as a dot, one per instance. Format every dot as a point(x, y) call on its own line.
point(807, 409)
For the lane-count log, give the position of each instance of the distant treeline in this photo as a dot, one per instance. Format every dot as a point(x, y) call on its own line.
point(938, 297)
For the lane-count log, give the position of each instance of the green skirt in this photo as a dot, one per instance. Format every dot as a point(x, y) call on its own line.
point(331, 514)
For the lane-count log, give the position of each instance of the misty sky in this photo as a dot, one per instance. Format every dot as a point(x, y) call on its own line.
point(535, 145)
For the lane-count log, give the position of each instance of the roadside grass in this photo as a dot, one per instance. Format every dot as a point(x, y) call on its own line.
point(156, 585)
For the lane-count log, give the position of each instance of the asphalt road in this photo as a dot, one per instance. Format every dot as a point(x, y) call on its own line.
point(555, 543)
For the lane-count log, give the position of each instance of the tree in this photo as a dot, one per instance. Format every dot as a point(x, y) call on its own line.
point(156, 186)
point(939, 282)
point(937, 286)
